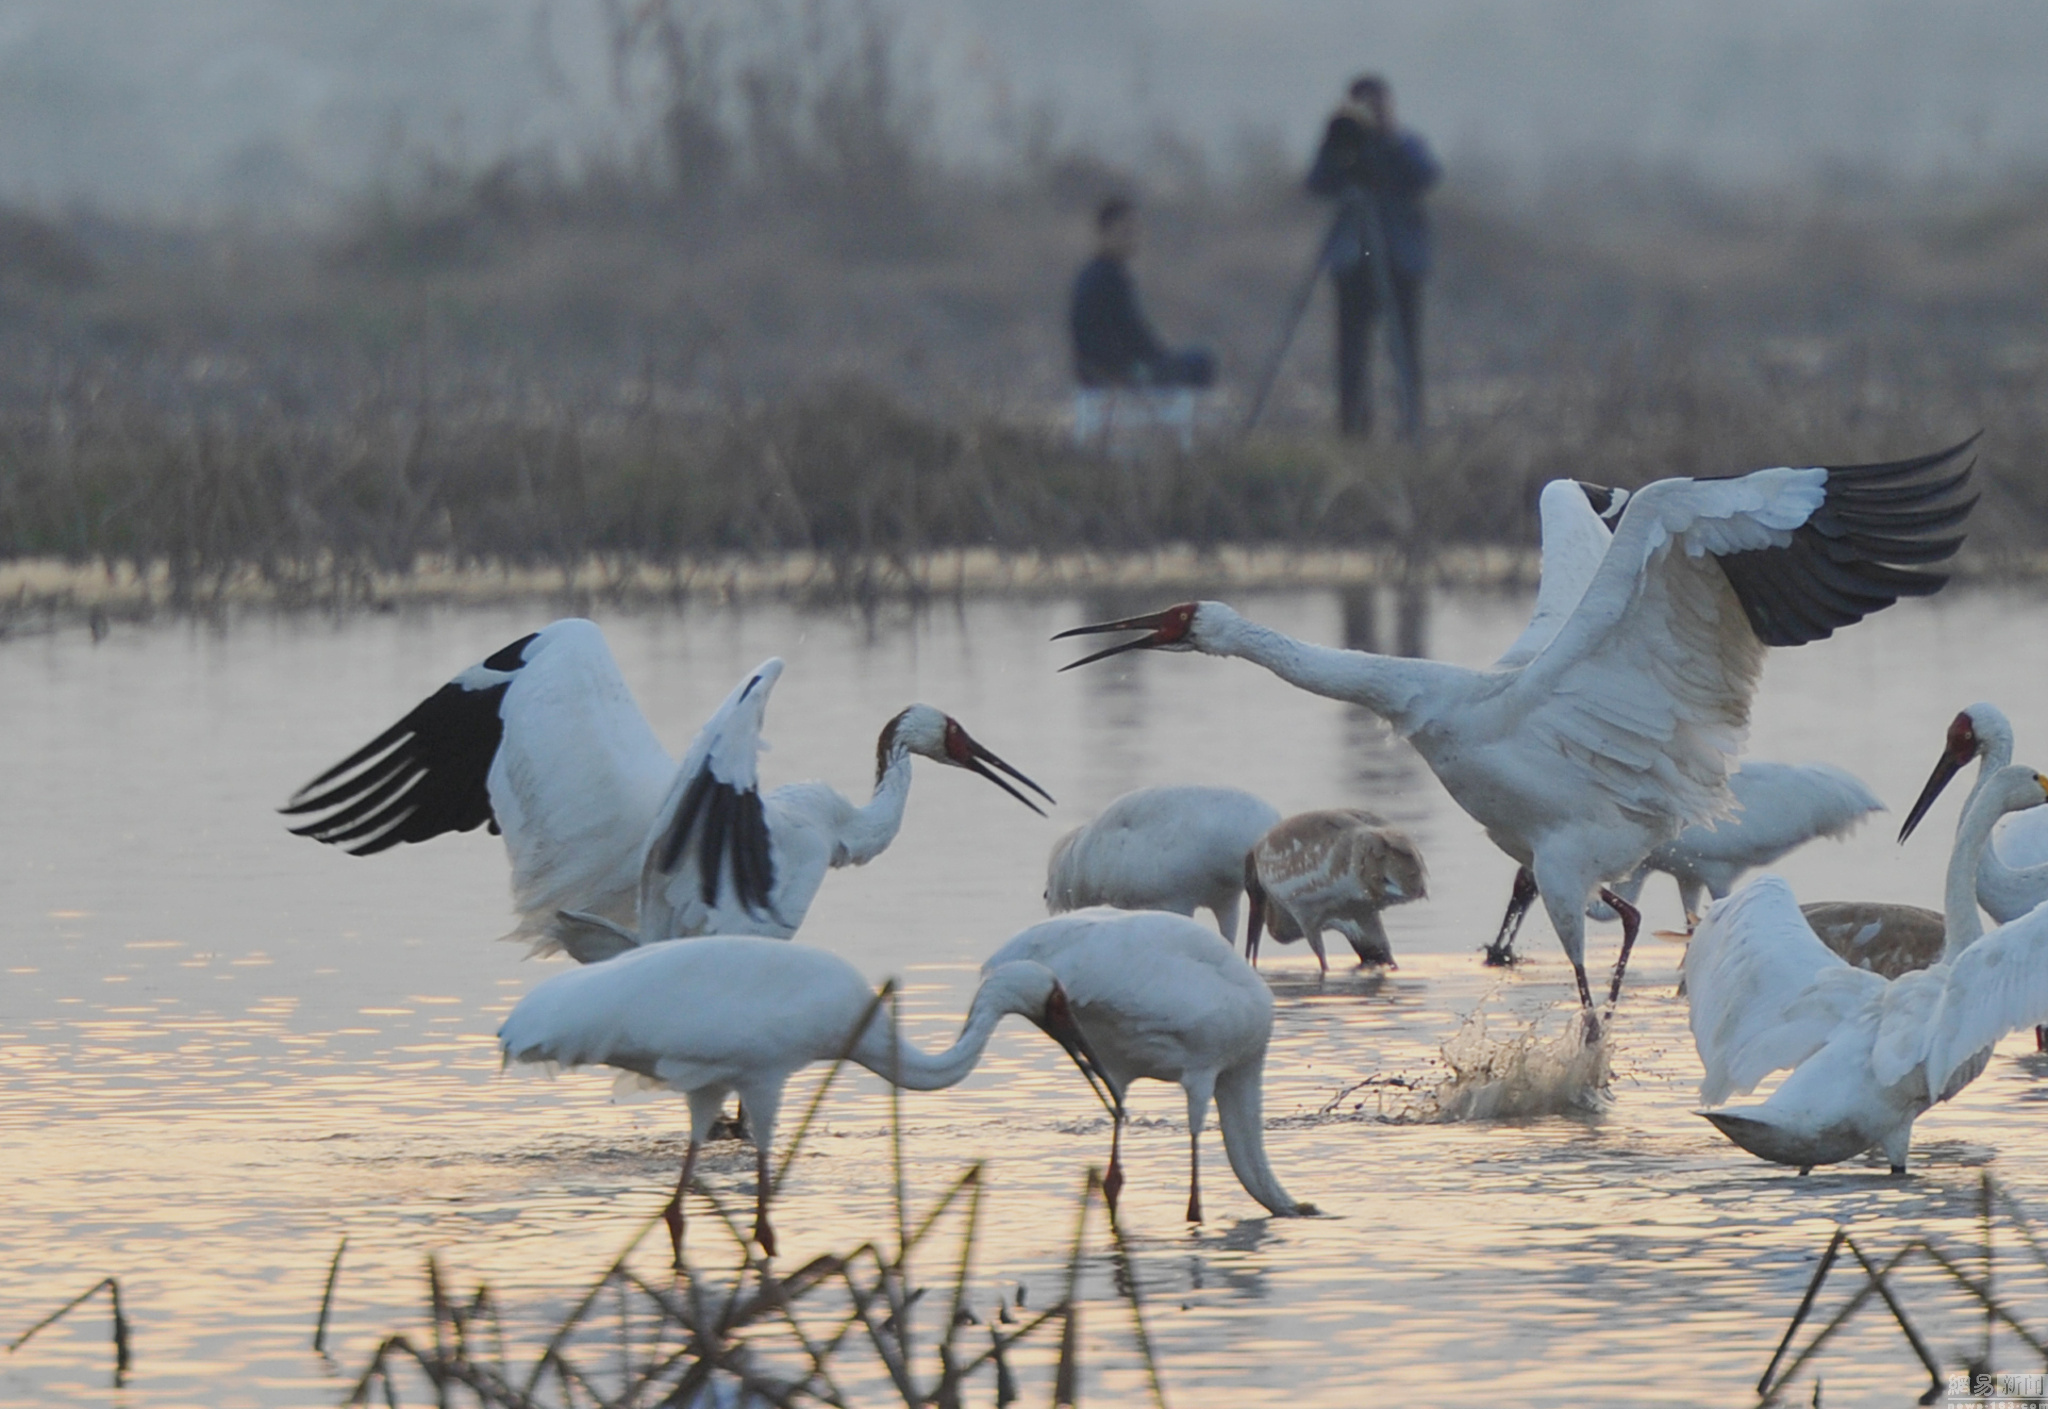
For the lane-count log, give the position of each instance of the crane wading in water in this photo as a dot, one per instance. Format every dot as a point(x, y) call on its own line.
point(743, 1013)
point(1160, 996)
point(723, 859)
point(2008, 885)
point(1617, 733)
point(1867, 1055)
point(1173, 848)
point(1331, 870)
point(542, 741)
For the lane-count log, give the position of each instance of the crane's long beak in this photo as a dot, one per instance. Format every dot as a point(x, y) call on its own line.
point(1058, 1024)
point(1950, 764)
point(979, 760)
point(1158, 627)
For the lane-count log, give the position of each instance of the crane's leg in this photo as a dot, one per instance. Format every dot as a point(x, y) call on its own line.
point(673, 1214)
point(1631, 921)
point(1501, 952)
point(763, 1234)
point(2041, 1039)
point(1315, 942)
point(1195, 1175)
point(1113, 1181)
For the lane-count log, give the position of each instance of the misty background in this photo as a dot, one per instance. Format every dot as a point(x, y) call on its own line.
point(278, 106)
point(298, 296)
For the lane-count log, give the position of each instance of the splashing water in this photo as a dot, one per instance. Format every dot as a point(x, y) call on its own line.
point(1529, 1072)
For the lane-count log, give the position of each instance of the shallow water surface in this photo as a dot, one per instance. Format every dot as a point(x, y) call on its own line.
point(224, 1047)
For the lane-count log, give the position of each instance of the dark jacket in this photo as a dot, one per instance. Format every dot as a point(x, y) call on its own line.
point(1394, 172)
point(1113, 344)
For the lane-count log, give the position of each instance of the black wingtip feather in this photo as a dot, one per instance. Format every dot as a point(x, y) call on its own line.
point(1858, 552)
point(427, 774)
point(730, 828)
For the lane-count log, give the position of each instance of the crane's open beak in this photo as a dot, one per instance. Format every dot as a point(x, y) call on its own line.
point(1951, 763)
point(963, 752)
point(1058, 1024)
point(1167, 628)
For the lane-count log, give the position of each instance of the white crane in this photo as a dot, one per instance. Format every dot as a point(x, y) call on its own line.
point(1158, 995)
point(1171, 848)
point(2013, 877)
point(1779, 807)
point(723, 859)
point(742, 1013)
point(1867, 1055)
point(542, 741)
point(1331, 870)
point(1617, 733)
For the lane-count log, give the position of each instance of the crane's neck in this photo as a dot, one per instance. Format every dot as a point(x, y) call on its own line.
point(1240, 1113)
point(913, 1068)
point(1399, 690)
point(2008, 892)
point(1973, 838)
point(870, 829)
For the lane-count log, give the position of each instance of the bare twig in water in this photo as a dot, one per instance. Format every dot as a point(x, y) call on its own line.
point(716, 1338)
point(1878, 1281)
point(113, 1289)
point(327, 1297)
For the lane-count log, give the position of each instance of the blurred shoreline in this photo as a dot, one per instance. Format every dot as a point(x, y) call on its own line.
point(783, 328)
point(39, 595)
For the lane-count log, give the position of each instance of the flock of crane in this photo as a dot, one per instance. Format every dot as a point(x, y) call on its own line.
point(1598, 749)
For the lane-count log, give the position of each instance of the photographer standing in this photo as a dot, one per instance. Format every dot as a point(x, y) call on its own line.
point(1379, 251)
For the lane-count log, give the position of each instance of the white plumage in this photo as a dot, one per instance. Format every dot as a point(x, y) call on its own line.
point(1575, 535)
point(1779, 807)
point(2013, 876)
point(742, 1014)
point(1158, 995)
point(723, 859)
point(543, 742)
point(1618, 732)
point(1867, 1055)
point(1172, 848)
point(1331, 870)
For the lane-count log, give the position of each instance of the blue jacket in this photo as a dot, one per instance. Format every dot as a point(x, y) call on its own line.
point(1394, 173)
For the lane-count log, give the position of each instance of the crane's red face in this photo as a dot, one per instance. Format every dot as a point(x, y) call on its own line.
point(1168, 630)
point(1962, 746)
point(963, 752)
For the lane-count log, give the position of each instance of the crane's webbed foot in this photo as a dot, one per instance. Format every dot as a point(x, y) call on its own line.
point(1501, 953)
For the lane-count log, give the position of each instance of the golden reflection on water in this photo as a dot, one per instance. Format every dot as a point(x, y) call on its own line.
point(225, 1048)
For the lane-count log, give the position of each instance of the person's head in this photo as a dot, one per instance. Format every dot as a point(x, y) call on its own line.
point(1370, 92)
point(1116, 227)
